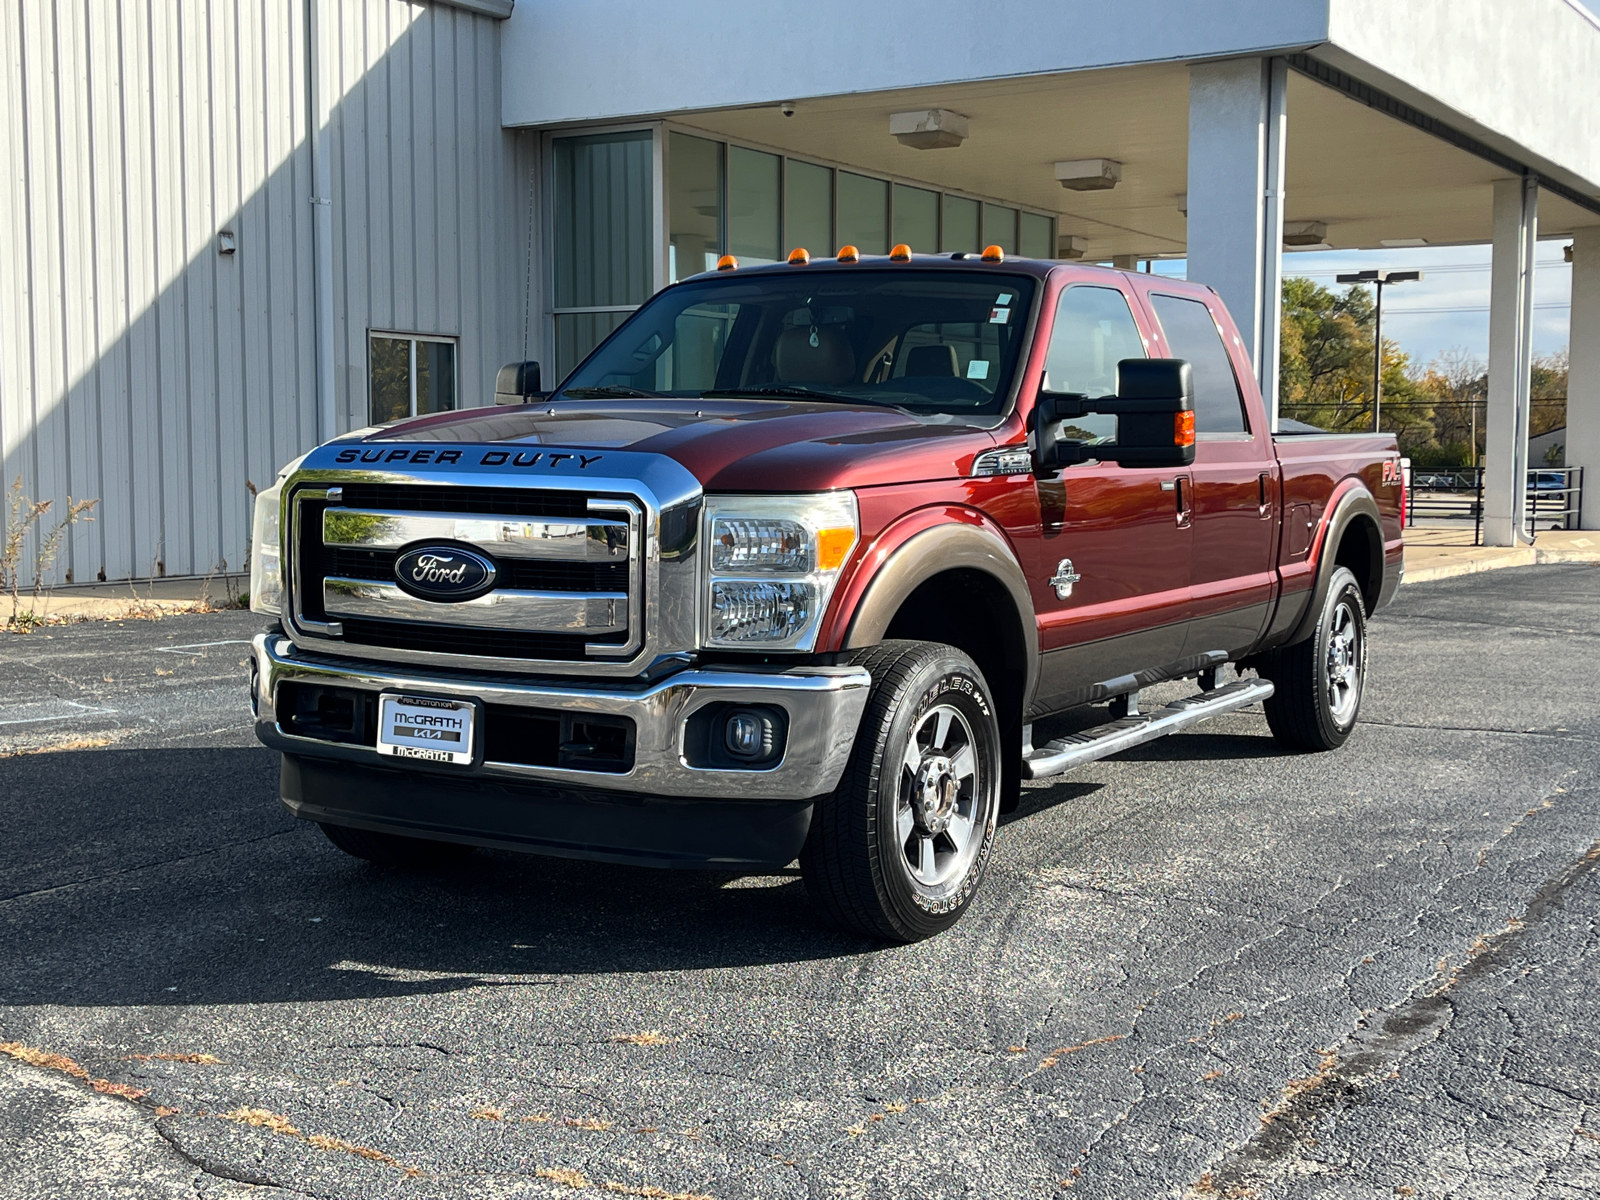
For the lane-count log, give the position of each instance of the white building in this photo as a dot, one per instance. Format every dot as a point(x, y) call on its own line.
point(234, 229)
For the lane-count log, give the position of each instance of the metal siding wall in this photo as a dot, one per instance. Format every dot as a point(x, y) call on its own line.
point(140, 367)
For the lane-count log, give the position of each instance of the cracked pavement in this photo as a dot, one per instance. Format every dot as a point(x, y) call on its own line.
point(1203, 968)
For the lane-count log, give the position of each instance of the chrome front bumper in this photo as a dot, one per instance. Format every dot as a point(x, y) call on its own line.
point(824, 706)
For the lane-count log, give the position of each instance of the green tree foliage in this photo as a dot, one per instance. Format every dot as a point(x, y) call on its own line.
point(1436, 412)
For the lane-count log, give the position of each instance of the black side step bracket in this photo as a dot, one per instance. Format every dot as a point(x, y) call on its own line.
point(1076, 749)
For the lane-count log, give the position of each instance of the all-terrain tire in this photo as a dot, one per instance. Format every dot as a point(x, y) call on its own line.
point(392, 850)
point(897, 852)
point(1319, 681)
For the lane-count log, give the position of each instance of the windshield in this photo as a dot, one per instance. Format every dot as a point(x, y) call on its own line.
point(929, 342)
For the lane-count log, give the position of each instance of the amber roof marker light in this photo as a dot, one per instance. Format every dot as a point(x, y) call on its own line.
point(849, 254)
point(799, 256)
point(727, 263)
point(994, 254)
point(901, 253)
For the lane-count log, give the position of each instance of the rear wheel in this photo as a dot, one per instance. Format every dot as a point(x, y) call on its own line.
point(1318, 682)
point(898, 849)
point(392, 850)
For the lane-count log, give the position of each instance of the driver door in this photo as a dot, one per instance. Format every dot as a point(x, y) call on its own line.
point(1111, 585)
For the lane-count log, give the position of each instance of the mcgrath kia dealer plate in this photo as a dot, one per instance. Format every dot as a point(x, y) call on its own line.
point(425, 728)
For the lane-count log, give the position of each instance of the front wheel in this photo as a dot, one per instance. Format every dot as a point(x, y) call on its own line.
point(897, 850)
point(1318, 682)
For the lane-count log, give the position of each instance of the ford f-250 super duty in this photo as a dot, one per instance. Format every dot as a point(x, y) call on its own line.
point(791, 564)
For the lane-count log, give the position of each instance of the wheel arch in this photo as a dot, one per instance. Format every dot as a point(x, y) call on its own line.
point(934, 585)
point(1352, 537)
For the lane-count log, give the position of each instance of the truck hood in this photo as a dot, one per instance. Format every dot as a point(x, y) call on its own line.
point(776, 445)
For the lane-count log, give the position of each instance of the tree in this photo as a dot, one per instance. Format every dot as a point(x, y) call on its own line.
point(1326, 367)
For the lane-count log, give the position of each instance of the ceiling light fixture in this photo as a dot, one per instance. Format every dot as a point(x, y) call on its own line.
point(929, 128)
point(1071, 245)
point(1089, 174)
point(1305, 233)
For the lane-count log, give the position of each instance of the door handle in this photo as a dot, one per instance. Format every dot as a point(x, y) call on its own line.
point(1184, 488)
point(1264, 495)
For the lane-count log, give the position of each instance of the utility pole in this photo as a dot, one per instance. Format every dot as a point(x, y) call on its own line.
point(1378, 279)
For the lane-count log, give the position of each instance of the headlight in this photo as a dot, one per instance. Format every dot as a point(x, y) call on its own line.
point(266, 558)
point(771, 566)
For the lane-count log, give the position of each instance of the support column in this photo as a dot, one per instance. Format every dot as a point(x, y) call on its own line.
point(1238, 123)
point(1583, 378)
point(1505, 458)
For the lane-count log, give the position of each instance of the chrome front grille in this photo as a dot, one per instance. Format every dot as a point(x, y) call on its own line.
point(568, 583)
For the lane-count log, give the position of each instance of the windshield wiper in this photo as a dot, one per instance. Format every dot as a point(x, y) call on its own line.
point(799, 393)
point(609, 391)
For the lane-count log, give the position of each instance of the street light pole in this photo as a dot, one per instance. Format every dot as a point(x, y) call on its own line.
point(1378, 279)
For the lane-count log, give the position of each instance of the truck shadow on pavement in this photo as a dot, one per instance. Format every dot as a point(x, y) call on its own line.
point(173, 876)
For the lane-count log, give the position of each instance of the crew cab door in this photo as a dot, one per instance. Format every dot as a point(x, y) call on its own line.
point(1111, 583)
point(1236, 493)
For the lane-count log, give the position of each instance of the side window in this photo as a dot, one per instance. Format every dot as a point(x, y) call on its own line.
point(1192, 334)
point(1094, 331)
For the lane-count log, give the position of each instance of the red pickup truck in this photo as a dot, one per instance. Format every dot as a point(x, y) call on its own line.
point(791, 565)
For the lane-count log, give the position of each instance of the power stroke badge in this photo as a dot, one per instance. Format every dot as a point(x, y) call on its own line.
point(446, 573)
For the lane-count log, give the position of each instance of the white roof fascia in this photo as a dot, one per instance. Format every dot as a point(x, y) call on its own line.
point(567, 61)
point(1521, 76)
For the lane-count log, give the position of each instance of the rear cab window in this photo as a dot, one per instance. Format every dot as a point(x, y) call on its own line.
point(1192, 334)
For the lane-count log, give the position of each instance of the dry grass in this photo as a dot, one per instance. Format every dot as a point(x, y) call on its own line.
point(1204, 1186)
point(1061, 1052)
point(50, 1061)
point(66, 742)
point(261, 1118)
point(566, 1175)
point(1210, 1075)
point(535, 1118)
point(487, 1114)
point(1327, 1060)
point(593, 1124)
point(894, 1108)
point(650, 1037)
point(653, 1193)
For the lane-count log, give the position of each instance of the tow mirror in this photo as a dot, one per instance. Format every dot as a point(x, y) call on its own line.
point(517, 383)
point(1148, 423)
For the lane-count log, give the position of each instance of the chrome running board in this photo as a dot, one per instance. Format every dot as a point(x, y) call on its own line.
point(1076, 749)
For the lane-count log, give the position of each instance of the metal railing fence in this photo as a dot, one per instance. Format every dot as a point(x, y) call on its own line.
point(1554, 497)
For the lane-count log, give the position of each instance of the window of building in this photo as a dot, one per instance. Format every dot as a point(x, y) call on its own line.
point(603, 249)
point(694, 205)
point(1094, 330)
point(753, 216)
point(1193, 334)
point(1000, 227)
point(410, 375)
point(960, 226)
point(916, 219)
point(863, 213)
point(1033, 236)
point(807, 207)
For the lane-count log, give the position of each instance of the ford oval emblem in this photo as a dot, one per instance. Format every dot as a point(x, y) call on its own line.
point(444, 573)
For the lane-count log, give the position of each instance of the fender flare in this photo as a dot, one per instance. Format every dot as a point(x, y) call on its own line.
point(1355, 504)
point(932, 552)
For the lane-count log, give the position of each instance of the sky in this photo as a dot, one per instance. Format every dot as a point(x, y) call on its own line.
point(1449, 307)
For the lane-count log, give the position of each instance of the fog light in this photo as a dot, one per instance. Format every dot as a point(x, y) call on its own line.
point(748, 735)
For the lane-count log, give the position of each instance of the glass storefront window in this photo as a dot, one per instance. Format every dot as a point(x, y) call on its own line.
point(694, 205)
point(1000, 227)
point(863, 213)
point(752, 206)
point(960, 226)
point(604, 245)
point(808, 208)
point(1034, 239)
point(916, 219)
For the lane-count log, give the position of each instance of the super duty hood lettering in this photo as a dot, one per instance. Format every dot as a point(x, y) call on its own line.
point(427, 456)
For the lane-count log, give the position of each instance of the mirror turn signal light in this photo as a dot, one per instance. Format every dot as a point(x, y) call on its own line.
point(901, 253)
point(849, 254)
point(799, 256)
point(727, 263)
point(1183, 428)
point(993, 254)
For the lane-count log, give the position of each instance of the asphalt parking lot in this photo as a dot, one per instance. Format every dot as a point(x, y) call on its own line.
point(1204, 968)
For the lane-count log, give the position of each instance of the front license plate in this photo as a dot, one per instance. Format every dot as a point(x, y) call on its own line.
point(425, 728)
